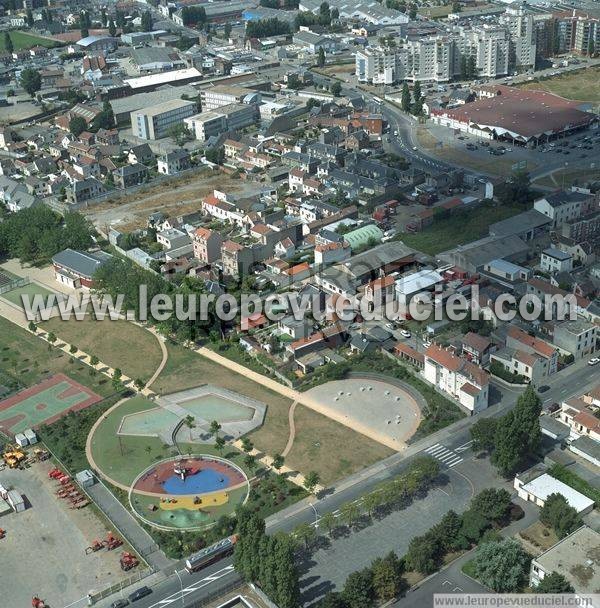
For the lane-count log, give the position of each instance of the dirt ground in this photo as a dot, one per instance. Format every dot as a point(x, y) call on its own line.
point(43, 552)
point(173, 198)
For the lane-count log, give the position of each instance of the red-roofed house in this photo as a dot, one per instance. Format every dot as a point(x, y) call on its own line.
point(464, 381)
point(518, 339)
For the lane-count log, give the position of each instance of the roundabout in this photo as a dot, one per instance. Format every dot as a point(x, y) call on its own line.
point(190, 492)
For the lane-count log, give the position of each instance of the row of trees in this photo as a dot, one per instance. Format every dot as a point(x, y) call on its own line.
point(514, 437)
point(36, 234)
point(267, 560)
point(412, 105)
point(266, 27)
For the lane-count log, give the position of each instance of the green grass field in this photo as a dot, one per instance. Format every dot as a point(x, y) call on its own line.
point(30, 290)
point(581, 85)
point(321, 444)
point(25, 40)
point(27, 360)
point(116, 343)
point(457, 229)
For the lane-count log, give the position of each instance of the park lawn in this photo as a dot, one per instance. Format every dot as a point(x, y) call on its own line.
point(28, 360)
point(30, 290)
point(24, 40)
point(458, 229)
point(319, 438)
point(341, 450)
point(116, 343)
point(124, 457)
point(580, 85)
point(187, 369)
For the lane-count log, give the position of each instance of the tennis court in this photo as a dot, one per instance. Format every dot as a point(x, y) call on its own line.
point(44, 403)
point(31, 290)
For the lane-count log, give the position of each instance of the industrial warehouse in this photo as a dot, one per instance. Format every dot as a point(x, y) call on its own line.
point(522, 117)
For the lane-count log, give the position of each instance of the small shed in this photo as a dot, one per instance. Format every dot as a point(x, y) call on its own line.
point(16, 501)
point(21, 440)
point(31, 436)
point(85, 478)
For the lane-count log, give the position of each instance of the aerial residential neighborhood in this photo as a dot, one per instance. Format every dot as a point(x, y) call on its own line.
point(299, 303)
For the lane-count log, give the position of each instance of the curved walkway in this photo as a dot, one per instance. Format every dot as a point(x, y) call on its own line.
point(165, 357)
point(292, 435)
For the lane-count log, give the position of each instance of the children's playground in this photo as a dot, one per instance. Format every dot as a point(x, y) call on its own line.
point(188, 492)
point(44, 403)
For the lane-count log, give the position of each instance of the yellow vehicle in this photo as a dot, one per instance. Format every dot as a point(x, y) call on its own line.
point(13, 457)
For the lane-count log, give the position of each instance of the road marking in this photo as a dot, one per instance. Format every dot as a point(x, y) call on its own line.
point(464, 446)
point(446, 456)
point(195, 587)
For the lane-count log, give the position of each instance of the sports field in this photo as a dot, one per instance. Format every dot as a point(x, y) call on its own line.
point(44, 403)
point(580, 85)
point(31, 290)
point(24, 40)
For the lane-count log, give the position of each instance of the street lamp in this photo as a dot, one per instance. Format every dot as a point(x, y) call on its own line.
point(312, 506)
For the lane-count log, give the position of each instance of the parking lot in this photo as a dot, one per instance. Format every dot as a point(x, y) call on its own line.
point(43, 552)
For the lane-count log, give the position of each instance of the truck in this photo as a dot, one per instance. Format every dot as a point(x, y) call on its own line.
point(211, 554)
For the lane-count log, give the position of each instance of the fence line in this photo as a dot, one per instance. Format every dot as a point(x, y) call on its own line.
point(14, 284)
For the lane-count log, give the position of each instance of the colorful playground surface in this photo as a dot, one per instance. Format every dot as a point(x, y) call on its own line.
point(190, 492)
point(44, 403)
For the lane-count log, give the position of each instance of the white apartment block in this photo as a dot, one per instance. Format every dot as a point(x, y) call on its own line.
point(155, 122)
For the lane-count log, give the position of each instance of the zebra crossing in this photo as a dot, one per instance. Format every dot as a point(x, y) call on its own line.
point(444, 455)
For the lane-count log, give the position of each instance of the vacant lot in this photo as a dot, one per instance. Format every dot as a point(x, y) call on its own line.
point(23, 40)
point(173, 197)
point(565, 178)
point(321, 444)
point(458, 229)
point(581, 85)
point(116, 343)
point(26, 360)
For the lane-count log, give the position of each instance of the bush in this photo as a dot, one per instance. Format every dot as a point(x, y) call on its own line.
point(497, 369)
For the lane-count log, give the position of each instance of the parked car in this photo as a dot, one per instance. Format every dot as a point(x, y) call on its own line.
point(543, 388)
point(594, 361)
point(140, 593)
point(405, 333)
point(119, 604)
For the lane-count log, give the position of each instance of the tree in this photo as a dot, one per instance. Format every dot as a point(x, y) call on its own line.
point(560, 516)
point(147, 22)
point(139, 384)
point(387, 577)
point(112, 28)
point(311, 480)
point(227, 30)
point(251, 530)
point(321, 57)
point(372, 501)
point(84, 32)
point(120, 18)
point(250, 462)
point(328, 521)
point(591, 47)
point(417, 105)
point(105, 119)
point(405, 98)
point(77, 125)
point(94, 360)
point(424, 554)
point(215, 155)
point(324, 14)
point(32, 327)
point(29, 17)
point(358, 590)
point(483, 434)
point(554, 583)
point(336, 89)
point(349, 513)
point(117, 373)
point(305, 533)
point(31, 81)
point(220, 444)
point(517, 189)
point(278, 461)
point(247, 445)
point(447, 531)
point(8, 43)
point(473, 526)
point(51, 337)
point(179, 133)
point(518, 433)
point(333, 599)
point(214, 428)
point(491, 503)
point(501, 565)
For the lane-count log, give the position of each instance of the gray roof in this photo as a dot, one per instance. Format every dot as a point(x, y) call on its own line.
point(80, 262)
point(479, 253)
point(155, 54)
point(557, 254)
point(561, 197)
point(518, 224)
point(587, 446)
point(376, 258)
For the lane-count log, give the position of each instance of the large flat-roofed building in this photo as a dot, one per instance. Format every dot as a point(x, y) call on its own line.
point(155, 122)
point(576, 557)
point(516, 115)
point(223, 95)
point(227, 118)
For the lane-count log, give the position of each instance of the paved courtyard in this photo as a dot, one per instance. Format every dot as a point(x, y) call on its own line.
point(382, 408)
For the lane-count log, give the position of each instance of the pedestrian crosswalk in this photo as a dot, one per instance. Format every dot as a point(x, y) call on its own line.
point(444, 455)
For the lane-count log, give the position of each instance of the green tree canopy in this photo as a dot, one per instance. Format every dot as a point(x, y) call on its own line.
point(554, 583)
point(77, 125)
point(560, 516)
point(31, 81)
point(502, 565)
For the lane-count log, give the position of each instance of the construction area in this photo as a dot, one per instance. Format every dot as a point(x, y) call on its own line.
point(51, 541)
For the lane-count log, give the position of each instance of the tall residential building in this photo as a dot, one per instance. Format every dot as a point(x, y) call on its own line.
point(155, 122)
point(519, 21)
point(379, 65)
